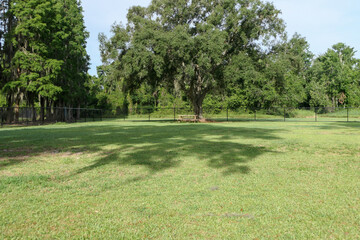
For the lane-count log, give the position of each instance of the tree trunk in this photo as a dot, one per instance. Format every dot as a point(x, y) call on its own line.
point(33, 112)
point(48, 110)
point(197, 93)
point(42, 106)
point(10, 109)
point(70, 114)
point(17, 110)
point(78, 114)
point(61, 115)
point(197, 102)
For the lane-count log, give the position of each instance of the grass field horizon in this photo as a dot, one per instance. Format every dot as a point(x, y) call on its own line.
point(167, 180)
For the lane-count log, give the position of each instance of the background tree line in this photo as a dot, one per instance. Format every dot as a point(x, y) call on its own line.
point(232, 53)
point(199, 53)
point(43, 58)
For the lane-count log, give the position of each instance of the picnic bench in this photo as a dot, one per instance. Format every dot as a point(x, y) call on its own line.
point(188, 118)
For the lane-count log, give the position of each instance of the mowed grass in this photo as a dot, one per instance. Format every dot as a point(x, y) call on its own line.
point(138, 180)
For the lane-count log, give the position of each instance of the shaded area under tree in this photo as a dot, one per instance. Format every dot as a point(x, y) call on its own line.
point(154, 147)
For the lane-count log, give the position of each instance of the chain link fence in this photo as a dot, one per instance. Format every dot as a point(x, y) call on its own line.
point(39, 115)
point(221, 114)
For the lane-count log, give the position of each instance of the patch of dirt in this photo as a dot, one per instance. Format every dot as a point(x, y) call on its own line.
point(203, 120)
point(16, 150)
point(209, 121)
point(249, 216)
point(14, 159)
point(65, 154)
point(215, 188)
point(230, 215)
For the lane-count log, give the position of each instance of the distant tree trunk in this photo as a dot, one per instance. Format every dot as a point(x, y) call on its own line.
point(17, 110)
point(78, 114)
point(42, 106)
point(10, 109)
point(57, 112)
point(48, 109)
point(33, 113)
point(70, 114)
point(61, 112)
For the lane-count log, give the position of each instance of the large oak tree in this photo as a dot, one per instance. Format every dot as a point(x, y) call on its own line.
point(188, 44)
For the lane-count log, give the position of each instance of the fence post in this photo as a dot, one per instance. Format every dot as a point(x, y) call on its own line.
point(21, 112)
point(227, 113)
point(85, 114)
point(27, 116)
point(42, 113)
point(1, 116)
point(284, 114)
point(93, 114)
point(347, 114)
point(316, 109)
point(174, 114)
point(78, 114)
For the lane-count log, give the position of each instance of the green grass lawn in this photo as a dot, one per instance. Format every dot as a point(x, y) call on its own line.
point(139, 180)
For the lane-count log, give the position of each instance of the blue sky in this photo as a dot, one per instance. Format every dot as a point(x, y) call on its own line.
point(322, 22)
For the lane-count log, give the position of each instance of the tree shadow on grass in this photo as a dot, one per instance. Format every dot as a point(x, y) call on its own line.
point(9, 162)
point(154, 146)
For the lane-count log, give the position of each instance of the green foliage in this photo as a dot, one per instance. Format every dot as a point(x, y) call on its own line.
point(192, 54)
point(106, 90)
point(274, 79)
point(184, 46)
point(44, 53)
point(318, 95)
point(205, 54)
point(214, 104)
point(336, 77)
point(2, 100)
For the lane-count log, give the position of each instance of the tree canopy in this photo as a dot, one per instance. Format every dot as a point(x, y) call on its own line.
point(43, 54)
point(188, 53)
point(235, 51)
point(189, 45)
